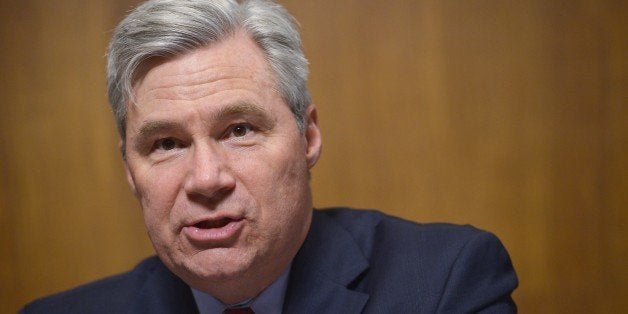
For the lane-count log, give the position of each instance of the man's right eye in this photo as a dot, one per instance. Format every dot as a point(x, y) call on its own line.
point(165, 144)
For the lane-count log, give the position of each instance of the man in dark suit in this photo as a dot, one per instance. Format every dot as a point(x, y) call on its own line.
point(218, 134)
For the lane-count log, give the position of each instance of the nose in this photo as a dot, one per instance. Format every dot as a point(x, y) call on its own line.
point(209, 175)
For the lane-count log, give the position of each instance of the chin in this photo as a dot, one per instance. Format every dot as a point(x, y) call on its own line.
point(213, 265)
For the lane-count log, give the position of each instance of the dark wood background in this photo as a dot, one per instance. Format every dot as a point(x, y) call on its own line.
point(509, 115)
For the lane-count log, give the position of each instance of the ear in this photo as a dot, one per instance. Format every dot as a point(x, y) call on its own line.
point(312, 136)
point(127, 171)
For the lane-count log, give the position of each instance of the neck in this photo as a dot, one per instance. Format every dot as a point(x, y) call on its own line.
point(243, 289)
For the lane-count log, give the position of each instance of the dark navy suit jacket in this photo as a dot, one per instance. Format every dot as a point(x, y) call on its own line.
point(352, 261)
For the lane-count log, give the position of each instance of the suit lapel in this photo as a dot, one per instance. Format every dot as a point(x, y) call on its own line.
point(163, 292)
point(326, 264)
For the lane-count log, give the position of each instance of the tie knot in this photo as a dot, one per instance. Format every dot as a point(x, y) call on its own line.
point(242, 310)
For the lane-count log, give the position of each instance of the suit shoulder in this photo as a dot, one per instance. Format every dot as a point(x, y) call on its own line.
point(435, 247)
point(106, 295)
point(451, 268)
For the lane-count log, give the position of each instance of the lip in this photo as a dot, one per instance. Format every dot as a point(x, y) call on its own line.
point(213, 235)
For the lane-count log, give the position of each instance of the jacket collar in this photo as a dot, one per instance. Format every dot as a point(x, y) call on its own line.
point(163, 292)
point(327, 263)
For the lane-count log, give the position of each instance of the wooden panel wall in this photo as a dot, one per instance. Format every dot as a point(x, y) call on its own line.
point(510, 115)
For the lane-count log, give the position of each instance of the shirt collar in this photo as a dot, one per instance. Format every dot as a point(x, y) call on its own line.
point(269, 301)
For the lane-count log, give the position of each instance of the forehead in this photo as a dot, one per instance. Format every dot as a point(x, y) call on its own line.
point(235, 59)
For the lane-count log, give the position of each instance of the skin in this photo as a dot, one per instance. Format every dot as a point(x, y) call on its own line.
point(210, 140)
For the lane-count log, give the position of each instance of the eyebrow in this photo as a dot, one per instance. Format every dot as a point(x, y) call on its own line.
point(243, 108)
point(153, 127)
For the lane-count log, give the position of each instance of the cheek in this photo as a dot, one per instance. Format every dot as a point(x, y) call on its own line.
point(281, 186)
point(158, 195)
point(274, 174)
point(157, 192)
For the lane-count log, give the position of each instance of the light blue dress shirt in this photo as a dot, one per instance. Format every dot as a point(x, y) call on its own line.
point(270, 301)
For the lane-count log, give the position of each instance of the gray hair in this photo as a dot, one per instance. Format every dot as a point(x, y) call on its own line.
point(167, 28)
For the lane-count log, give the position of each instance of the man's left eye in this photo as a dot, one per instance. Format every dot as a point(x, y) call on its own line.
point(240, 130)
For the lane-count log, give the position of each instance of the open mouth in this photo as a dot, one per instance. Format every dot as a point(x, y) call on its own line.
point(214, 231)
point(213, 224)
